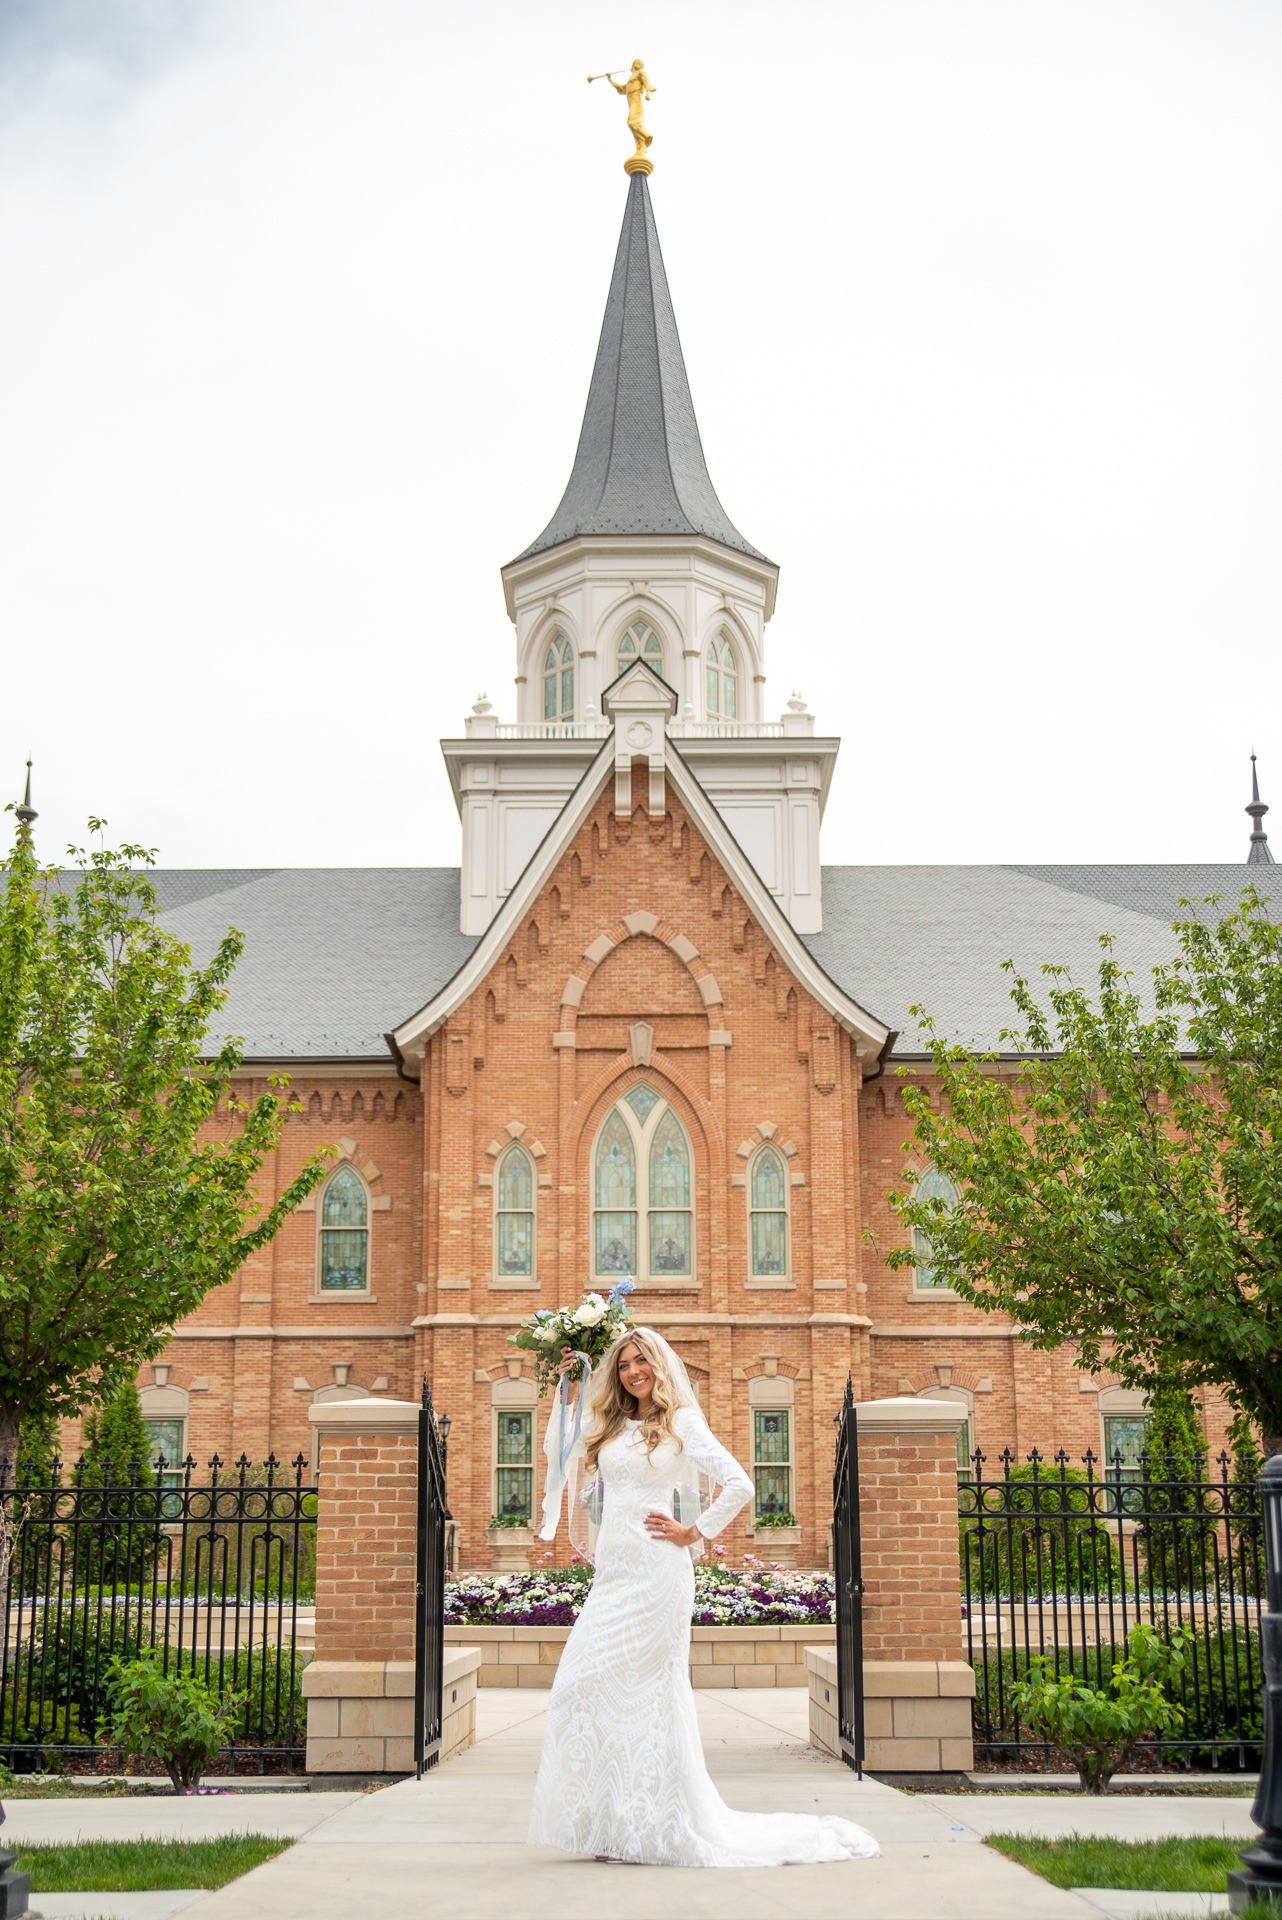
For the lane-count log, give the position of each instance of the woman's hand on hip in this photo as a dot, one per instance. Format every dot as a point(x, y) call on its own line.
point(661, 1526)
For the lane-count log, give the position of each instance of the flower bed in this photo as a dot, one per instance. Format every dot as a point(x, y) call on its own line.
point(751, 1596)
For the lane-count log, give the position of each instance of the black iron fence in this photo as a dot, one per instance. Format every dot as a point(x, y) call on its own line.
point(1064, 1560)
point(208, 1575)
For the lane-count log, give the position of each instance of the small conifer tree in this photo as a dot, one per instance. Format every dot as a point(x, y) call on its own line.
point(120, 1498)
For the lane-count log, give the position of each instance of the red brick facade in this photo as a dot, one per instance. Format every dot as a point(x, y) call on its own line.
point(539, 1052)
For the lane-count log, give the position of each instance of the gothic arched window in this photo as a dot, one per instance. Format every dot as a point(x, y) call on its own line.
point(721, 679)
point(344, 1234)
point(933, 1185)
point(558, 679)
point(768, 1215)
point(514, 1217)
point(641, 642)
point(642, 1192)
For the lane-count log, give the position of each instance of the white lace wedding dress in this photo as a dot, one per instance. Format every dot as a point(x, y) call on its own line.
point(622, 1771)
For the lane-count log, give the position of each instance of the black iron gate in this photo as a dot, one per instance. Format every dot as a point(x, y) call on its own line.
point(848, 1569)
point(429, 1635)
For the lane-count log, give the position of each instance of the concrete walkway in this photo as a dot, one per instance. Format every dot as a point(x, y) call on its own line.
point(456, 1840)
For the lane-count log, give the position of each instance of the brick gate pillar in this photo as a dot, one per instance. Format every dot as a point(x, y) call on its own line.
point(918, 1686)
point(360, 1687)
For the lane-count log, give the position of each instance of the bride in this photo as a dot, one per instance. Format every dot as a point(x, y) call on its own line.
point(622, 1773)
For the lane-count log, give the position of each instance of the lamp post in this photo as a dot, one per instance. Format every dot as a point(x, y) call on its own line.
point(1262, 1878)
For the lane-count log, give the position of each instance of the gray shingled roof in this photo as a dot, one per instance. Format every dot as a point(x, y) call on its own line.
point(336, 957)
point(936, 937)
point(639, 467)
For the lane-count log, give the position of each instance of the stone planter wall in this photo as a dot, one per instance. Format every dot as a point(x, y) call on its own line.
point(719, 1656)
point(917, 1713)
point(360, 1713)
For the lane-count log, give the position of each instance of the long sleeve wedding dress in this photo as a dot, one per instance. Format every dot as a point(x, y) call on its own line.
point(622, 1771)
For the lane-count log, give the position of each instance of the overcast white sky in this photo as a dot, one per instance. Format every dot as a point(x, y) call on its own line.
point(981, 305)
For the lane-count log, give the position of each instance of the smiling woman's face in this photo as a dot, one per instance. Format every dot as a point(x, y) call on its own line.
point(636, 1373)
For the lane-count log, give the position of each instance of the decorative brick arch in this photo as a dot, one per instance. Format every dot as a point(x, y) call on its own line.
point(631, 927)
point(767, 1130)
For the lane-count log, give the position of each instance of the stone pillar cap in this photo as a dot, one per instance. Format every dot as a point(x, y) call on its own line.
point(366, 1416)
point(905, 1414)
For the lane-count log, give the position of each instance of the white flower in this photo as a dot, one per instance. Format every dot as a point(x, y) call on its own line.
point(591, 1311)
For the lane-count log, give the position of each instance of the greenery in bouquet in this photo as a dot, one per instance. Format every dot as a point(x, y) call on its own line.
point(592, 1328)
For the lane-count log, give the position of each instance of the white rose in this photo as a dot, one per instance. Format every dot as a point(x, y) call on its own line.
point(591, 1311)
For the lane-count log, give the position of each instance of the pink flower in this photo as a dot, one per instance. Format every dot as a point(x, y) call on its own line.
point(720, 1552)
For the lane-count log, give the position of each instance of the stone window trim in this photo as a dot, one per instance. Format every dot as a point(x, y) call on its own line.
point(1118, 1403)
point(723, 677)
point(766, 1134)
point(772, 1391)
point(164, 1405)
point(557, 678)
point(351, 1296)
point(516, 1157)
point(653, 645)
point(515, 1131)
point(554, 622)
point(508, 1395)
point(920, 1292)
point(642, 1132)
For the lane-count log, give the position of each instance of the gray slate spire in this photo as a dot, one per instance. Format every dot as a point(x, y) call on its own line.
point(639, 466)
point(1259, 855)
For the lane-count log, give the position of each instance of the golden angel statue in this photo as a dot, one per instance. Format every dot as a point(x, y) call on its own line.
point(636, 85)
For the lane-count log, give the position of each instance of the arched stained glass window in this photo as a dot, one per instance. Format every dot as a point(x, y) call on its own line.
point(616, 1198)
point(643, 1214)
point(768, 1209)
point(721, 678)
point(558, 679)
point(344, 1238)
point(669, 1222)
point(933, 1185)
point(641, 642)
point(514, 1215)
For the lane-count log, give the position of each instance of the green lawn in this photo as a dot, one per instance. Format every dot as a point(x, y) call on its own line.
point(135, 1866)
point(1160, 1866)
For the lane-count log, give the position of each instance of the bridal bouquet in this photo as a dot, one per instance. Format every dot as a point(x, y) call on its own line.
point(591, 1328)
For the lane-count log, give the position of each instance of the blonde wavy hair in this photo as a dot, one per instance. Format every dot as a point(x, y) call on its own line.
point(613, 1406)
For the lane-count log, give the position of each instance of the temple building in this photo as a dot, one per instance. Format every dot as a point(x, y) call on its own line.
point(639, 1029)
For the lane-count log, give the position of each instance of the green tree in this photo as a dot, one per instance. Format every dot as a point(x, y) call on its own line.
point(128, 1169)
point(1122, 1187)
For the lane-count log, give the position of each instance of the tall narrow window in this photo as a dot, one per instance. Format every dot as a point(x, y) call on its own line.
point(558, 679)
point(772, 1460)
point(1125, 1441)
point(721, 678)
point(514, 1464)
point(344, 1248)
point(933, 1185)
point(643, 1191)
point(514, 1211)
point(768, 1205)
point(616, 1199)
point(165, 1438)
point(669, 1198)
point(641, 642)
